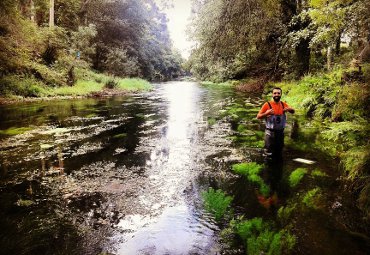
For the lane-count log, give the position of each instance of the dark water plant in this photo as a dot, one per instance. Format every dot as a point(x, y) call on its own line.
point(285, 212)
point(312, 198)
point(296, 176)
point(251, 171)
point(259, 237)
point(318, 173)
point(216, 202)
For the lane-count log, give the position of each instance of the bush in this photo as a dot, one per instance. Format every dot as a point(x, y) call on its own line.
point(25, 86)
point(111, 84)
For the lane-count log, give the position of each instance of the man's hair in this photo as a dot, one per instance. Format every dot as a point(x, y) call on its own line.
point(281, 91)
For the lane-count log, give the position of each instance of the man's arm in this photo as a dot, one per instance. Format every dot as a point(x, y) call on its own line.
point(265, 111)
point(262, 115)
point(289, 109)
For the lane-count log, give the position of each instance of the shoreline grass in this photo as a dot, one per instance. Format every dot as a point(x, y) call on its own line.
point(25, 88)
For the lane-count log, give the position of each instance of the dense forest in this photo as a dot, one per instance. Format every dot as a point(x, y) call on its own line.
point(278, 38)
point(49, 43)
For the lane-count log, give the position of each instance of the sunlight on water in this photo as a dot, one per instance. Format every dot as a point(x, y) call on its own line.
point(170, 225)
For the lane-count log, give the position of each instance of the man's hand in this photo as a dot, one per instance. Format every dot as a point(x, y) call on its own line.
point(269, 112)
point(289, 109)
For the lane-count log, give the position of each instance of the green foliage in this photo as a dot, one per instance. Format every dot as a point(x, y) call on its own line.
point(134, 84)
point(312, 198)
point(296, 176)
point(285, 213)
point(119, 63)
point(25, 203)
point(118, 136)
point(216, 202)
point(15, 131)
point(318, 173)
point(111, 84)
point(259, 238)
point(232, 37)
point(82, 42)
point(251, 172)
point(211, 121)
point(345, 135)
point(356, 162)
point(247, 169)
point(125, 38)
point(26, 86)
point(364, 200)
point(80, 88)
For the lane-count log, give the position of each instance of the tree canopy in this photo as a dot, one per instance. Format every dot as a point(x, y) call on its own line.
point(127, 38)
point(244, 38)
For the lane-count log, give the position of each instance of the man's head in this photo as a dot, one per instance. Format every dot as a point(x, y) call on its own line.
point(276, 94)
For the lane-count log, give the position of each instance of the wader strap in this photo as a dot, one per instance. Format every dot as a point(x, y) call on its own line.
point(280, 102)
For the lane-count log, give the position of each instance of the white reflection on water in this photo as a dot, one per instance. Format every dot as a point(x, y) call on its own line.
point(170, 224)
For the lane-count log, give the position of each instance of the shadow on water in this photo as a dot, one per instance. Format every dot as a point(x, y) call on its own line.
point(124, 175)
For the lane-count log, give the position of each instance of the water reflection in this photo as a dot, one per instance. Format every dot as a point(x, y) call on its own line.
point(170, 224)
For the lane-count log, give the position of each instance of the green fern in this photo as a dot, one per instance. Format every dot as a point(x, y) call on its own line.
point(216, 202)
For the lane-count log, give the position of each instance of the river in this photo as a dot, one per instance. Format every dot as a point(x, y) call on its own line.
point(124, 175)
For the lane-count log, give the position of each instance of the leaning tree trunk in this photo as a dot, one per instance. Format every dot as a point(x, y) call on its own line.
point(51, 14)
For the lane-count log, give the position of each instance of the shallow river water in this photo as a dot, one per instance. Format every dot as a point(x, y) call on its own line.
point(124, 175)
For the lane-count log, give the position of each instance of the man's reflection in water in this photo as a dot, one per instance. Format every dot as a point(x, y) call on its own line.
point(272, 175)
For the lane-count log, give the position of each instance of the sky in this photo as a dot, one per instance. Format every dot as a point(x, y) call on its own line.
point(178, 18)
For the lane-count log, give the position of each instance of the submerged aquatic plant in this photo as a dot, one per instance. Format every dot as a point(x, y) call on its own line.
point(216, 202)
point(312, 198)
point(284, 213)
point(318, 173)
point(251, 172)
point(211, 121)
point(260, 238)
point(15, 131)
point(122, 135)
point(296, 176)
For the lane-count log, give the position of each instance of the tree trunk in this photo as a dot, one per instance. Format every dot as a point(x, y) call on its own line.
point(337, 44)
point(51, 14)
point(303, 57)
point(32, 8)
point(329, 56)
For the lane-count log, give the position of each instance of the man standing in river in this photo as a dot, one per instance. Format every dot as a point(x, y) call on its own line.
point(274, 112)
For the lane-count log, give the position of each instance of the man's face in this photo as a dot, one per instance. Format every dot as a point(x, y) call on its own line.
point(276, 95)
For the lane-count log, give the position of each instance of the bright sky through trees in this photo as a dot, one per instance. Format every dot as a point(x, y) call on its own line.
point(178, 18)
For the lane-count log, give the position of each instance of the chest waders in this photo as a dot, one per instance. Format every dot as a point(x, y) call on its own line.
point(274, 135)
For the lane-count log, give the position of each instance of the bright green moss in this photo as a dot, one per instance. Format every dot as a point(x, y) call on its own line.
point(296, 176)
point(15, 131)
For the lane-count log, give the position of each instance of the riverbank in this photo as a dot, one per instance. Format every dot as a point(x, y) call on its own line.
point(88, 84)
